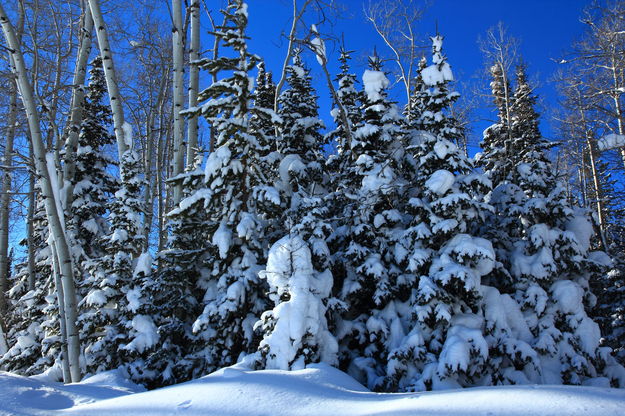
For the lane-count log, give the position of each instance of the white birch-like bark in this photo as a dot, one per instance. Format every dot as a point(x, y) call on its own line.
point(52, 204)
point(194, 82)
point(60, 294)
point(178, 85)
point(109, 74)
point(77, 105)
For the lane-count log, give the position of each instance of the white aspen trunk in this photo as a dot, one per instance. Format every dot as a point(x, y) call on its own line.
point(52, 204)
point(194, 83)
point(58, 284)
point(76, 107)
point(178, 85)
point(30, 228)
point(109, 74)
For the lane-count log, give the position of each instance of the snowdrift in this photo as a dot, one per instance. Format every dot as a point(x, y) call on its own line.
point(316, 391)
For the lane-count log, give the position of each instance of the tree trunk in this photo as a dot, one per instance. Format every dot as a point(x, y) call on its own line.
point(109, 74)
point(77, 104)
point(67, 375)
point(194, 82)
point(50, 195)
point(178, 85)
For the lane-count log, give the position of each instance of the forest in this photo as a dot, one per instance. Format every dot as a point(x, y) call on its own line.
point(169, 206)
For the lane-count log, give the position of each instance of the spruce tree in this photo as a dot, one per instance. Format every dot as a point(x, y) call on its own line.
point(93, 183)
point(369, 323)
point(545, 245)
point(234, 188)
point(445, 345)
point(26, 321)
point(295, 330)
point(105, 316)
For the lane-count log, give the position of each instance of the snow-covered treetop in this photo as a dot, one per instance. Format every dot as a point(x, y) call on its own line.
point(440, 71)
point(374, 80)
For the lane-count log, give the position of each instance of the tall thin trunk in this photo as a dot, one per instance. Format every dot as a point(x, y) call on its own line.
point(109, 74)
point(50, 195)
point(77, 104)
point(60, 295)
point(194, 82)
point(30, 228)
point(178, 85)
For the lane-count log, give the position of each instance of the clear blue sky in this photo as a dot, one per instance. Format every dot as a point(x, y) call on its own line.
point(546, 28)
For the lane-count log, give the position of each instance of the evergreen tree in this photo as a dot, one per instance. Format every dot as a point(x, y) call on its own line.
point(105, 317)
point(171, 296)
point(369, 324)
point(234, 190)
point(445, 344)
point(545, 245)
point(93, 184)
point(298, 268)
point(27, 323)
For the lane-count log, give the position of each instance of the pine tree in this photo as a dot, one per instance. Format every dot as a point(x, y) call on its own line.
point(30, 318)
point(170, 296)
point(445, 345)
point(545, 245)
point(105, 317)
point(369, 324)
point(93, 184)
point(234, 188)
point(295, 330)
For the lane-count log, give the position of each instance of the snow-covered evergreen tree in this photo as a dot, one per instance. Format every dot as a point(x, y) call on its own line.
point(32, 321)
point(545, 245)
point(93, 183)
point(298, 268)
point(296, 331)
point(169, 297)
point(368, 275)
point(234, 189)
point(105, 317)
point(446, 344)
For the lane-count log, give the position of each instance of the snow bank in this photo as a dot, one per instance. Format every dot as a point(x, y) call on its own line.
point(318, 390)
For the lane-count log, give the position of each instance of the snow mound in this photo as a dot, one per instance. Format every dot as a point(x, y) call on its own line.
point(317, 390)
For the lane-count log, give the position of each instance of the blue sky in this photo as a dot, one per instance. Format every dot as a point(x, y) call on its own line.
point(546, 29)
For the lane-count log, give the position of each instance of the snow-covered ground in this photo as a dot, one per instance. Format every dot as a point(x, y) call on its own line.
point(318, 390)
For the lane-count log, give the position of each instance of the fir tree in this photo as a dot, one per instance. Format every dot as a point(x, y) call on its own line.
point(93, 184)
point(369, 325)
point(298, 267)
point(234, 188)
point(441, 250)
point(545, 245)
point(105, 316)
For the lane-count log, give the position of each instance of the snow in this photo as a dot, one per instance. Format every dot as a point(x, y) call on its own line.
point(318, 390)
point(127, 128)
point(433, 75)
point(222, 239)
point(146, 334)
point(440, 181)
point(611, 141)
point(144, 265)
point(319, 48)
point(374, 82)
point(582, 228)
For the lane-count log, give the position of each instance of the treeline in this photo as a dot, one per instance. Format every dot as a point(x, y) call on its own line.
point(397, 257)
